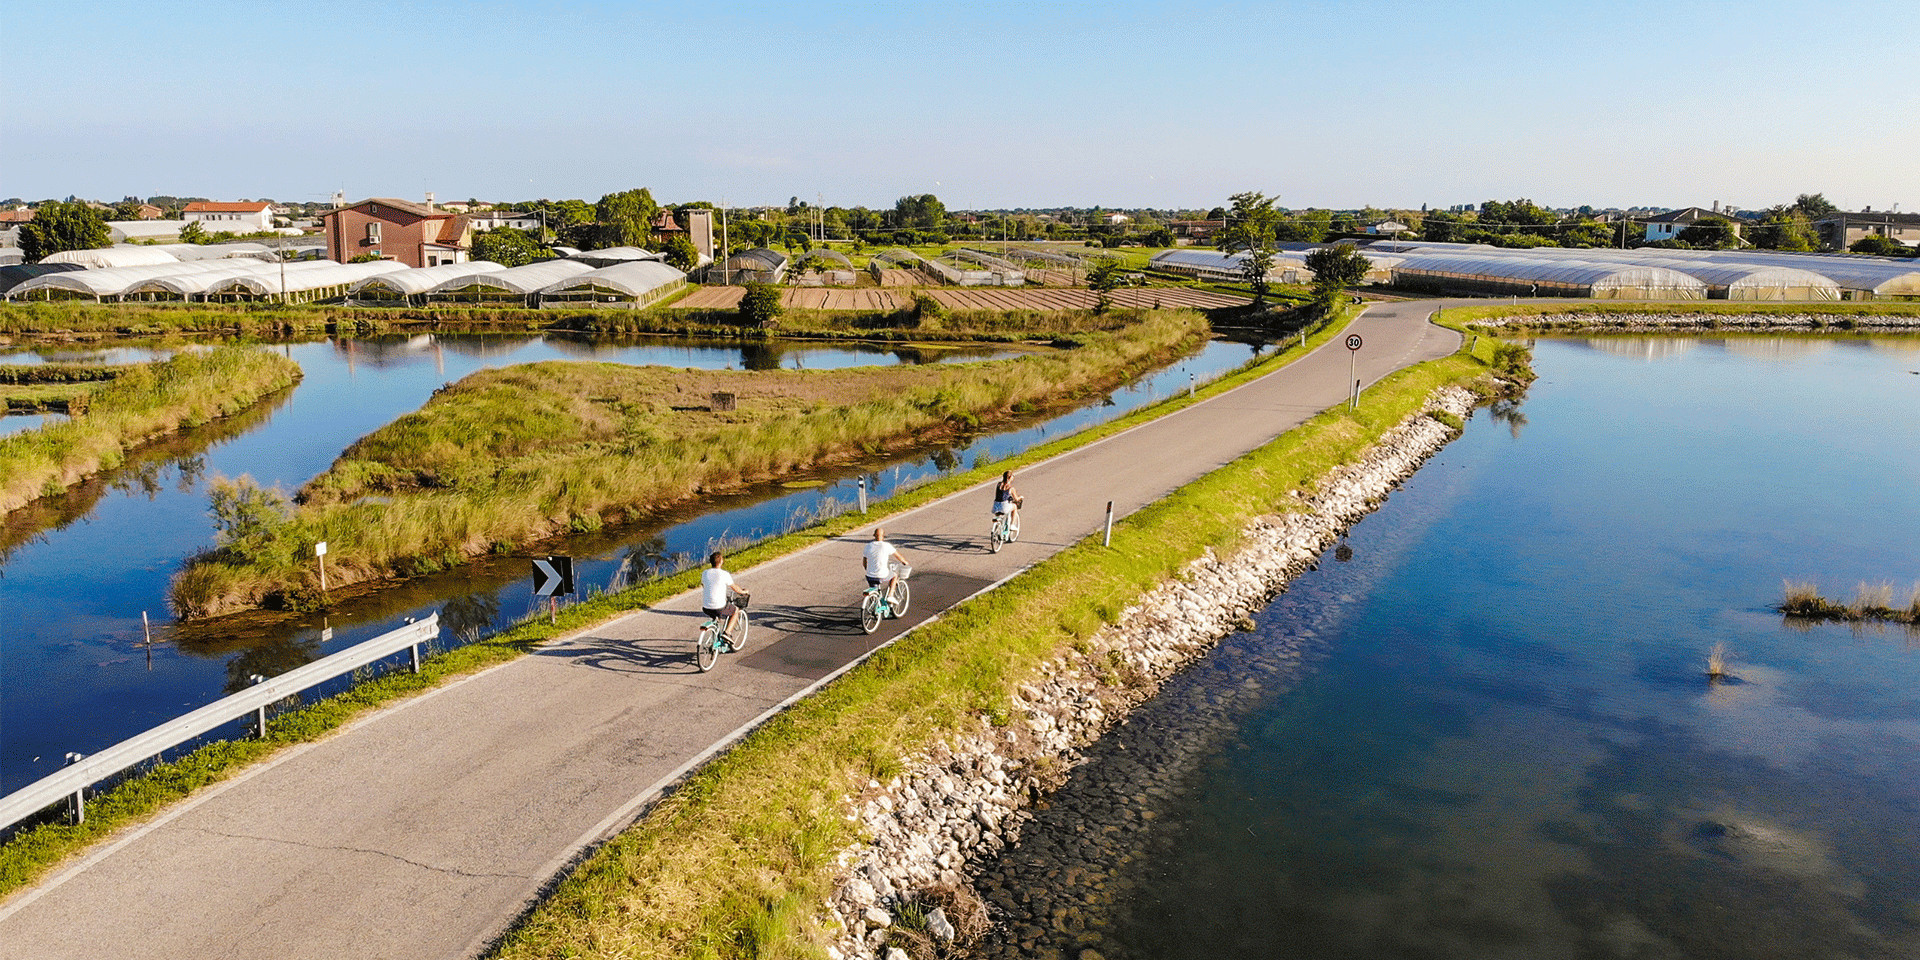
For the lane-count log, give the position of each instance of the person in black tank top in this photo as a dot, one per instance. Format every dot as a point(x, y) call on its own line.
point(1006, 500)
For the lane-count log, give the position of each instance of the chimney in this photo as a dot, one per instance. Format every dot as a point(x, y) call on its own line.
point(429, 199)
point(339, 199)
point(1716, 206)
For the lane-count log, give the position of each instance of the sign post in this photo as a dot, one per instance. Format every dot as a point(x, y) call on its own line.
point(1353, 353)
point(320, 552)
point(551, 577)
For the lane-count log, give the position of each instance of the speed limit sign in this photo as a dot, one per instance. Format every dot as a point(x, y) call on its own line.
point(1353, 341)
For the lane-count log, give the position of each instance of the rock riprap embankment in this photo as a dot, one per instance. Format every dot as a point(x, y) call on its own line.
point(969, 797)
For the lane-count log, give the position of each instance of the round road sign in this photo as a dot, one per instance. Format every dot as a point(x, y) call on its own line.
point(1353, 341)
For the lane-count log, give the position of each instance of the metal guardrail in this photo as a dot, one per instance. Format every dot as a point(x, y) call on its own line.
point(72, 782)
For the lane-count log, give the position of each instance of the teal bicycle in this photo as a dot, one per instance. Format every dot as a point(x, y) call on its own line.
point(889, 599)
point(715, 639)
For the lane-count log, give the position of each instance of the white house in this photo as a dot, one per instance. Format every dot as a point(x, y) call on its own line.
point(1667, 226)
point(251, 217)
point(492, 219)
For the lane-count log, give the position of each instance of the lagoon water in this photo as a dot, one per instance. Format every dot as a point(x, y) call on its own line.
point(77, 571)
point(1500, 742)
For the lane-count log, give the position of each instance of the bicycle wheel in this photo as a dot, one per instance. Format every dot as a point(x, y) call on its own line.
point(993, 537)
point(903, 595)
point(706, 647)
point(739, 639)
point(870, 611)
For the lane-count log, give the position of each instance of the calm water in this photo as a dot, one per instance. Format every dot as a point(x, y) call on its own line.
point(1499, 741)
point(76, 572)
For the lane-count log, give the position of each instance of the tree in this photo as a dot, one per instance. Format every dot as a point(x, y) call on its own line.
point(1880, 246)
point(59, 226)
point(1103, 279)
point(760, 305)
point(924, 212)
point(507, 247)
point(1784, 228)
point(1250, 223)
point(1254, 269)
point(625, 218)
point(1710, 233)
point(193, 232)
point(680, 254)
point(1814, 205)
point(1335, 269)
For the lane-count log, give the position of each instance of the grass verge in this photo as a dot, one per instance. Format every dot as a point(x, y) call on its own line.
point(144, 402)
point(511, 456)
point(735, 862)
point(38, 848)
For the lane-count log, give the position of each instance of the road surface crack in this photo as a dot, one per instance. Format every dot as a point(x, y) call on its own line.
point(377, 853)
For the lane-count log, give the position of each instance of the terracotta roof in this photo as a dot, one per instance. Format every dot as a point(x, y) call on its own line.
point(453, 229)
point(15, 216)
point(203, 206)
point(405, 206)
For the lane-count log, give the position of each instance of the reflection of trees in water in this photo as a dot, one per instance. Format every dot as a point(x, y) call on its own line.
point(144, 470)
point(761, 355)
point(944, 459)
point(646, 560)
point(270, 659)
point(1640, 348)
point(1787, 349)
point(1507, 410)
point(469, 615)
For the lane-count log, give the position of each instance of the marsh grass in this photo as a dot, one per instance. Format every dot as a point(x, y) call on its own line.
point(144, 402)
point(1717, 661)
point(515, 455)
point(1801, 600)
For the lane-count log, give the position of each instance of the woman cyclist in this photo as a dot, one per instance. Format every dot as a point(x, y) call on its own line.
point(1006, 500)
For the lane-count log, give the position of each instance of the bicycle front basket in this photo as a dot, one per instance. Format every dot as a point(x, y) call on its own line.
point(740, 600)
point(902, 570)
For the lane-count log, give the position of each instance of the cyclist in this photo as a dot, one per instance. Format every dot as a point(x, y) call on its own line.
point(878, 561)
point(716, 593)
point(1006, 500)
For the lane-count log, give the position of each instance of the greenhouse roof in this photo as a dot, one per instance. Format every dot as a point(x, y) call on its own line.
point(112, 257)
point(194, 284)
point(635, 279)
point(110, 281)
point(321, 275)
point(765, 258)
point(423, 279)
point(523, 280)
point(13, 275)
point(1568, 272)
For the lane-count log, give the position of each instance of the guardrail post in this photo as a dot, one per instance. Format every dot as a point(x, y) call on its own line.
point(413, 650)
point(260, 715)
point(80, 795)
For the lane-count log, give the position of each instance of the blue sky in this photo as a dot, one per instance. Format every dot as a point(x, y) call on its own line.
point(987, 104)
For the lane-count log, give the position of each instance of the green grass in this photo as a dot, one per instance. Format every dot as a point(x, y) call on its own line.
point(147, 401)
point(759, 824)
point(45, 396)
point(37, 849)
point(511, 456)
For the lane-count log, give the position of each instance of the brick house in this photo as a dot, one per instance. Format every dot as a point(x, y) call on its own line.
point(229, 217)
point(400, 230)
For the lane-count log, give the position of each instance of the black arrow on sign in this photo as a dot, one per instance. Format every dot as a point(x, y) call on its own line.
point(554, 575)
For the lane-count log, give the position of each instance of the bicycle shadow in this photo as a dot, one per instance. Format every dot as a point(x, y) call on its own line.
point(931, 542)
point(828, 619)
point(654, 655)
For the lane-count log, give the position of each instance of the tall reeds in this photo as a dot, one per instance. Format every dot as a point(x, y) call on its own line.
point(509, 456)
point(144, 402)
point(1871, 601)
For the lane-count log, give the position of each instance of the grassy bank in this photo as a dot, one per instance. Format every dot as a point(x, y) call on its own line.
point(1871, 601)
point(36, 849)
point(508, 457)
point(145, 402)
point(736, 862)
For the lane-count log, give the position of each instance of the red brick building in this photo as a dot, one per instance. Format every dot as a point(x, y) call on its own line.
point(401, 230)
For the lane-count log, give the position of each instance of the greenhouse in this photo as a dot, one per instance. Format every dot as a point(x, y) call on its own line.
point(19, 273)
point(511, 287)
point(105, 283)
point(112, 257)
point(410, 287)
point(612, 255)
point(326, 281)
point(635, 284)
point(194, 286)
point(1529, 276)
point(758, 265)
point(1750, 281)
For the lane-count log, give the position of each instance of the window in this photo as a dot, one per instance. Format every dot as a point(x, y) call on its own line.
point(373, 232)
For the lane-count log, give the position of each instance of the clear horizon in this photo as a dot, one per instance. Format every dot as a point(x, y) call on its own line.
point(996, 105)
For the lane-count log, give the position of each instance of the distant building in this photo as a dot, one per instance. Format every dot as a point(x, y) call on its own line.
point(1667, 226)
point(1200, 230)
point(214, 217)
point(401, 230)
point(700, 231)
point(1841, 230)
point(148, 211)
point(495, 219)
point(1387, 228)
point(1118, 218)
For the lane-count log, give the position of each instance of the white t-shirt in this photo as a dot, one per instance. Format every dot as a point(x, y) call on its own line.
point(879, 553)
point(713, 587)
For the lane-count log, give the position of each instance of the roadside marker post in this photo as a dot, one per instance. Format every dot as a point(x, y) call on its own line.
point(1353, 353)
point(1108, 540)
point(80, 795)
point(260, 715)
point(320, 552)
point(863, 496)
point(551, 577)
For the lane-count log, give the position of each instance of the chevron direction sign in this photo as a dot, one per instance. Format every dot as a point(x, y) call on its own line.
point(552, 576)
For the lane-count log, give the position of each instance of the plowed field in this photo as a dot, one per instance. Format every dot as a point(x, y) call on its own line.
point(991, 298)
point(799, 298)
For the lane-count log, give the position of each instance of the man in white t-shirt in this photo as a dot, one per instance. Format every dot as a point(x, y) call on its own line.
point(878, 561)
point(716, 592)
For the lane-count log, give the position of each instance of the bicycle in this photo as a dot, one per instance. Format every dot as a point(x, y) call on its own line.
point(879, 603)
point(1002, 532)
point(714, 639)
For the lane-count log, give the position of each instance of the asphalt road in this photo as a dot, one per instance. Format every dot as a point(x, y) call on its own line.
point(422, 830)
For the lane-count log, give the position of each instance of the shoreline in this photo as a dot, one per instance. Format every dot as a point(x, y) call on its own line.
point(969, 798)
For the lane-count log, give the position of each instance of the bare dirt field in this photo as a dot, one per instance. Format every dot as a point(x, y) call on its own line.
point(799, 298)
point(901, 278)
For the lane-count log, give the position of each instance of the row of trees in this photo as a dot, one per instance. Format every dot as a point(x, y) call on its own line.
point(1523, 223)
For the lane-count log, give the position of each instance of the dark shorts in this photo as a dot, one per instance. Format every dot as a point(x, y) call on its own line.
point(712, 614)
point(876, 581)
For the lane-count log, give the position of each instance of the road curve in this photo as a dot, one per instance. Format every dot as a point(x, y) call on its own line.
point(423, 829)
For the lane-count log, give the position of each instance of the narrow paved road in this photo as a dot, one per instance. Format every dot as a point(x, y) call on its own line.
point(421, 831)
